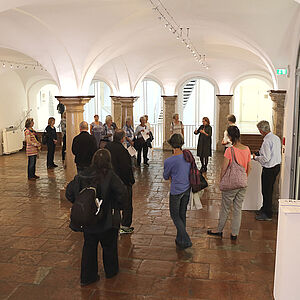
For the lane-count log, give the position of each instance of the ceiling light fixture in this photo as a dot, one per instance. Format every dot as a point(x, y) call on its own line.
point(21, 65)
point(170, 23)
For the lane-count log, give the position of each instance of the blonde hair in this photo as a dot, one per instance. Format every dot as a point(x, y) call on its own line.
point(108, 118)
point(28, 122)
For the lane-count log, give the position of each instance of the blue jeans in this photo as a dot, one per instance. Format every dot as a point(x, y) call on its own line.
point(31, 166)
point(178, 206)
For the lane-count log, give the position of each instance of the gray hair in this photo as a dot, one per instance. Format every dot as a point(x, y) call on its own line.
point(118, 135)
point(174, 115)
point(84, 125)
point(263, 126)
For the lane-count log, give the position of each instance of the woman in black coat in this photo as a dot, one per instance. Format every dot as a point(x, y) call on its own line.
point(112, 191)
point(204, 143)
point(51, 142)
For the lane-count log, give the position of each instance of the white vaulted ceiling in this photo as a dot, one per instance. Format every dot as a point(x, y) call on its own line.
point(122, 41)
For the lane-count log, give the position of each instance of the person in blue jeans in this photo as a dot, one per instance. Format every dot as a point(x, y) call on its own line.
point(177, 169)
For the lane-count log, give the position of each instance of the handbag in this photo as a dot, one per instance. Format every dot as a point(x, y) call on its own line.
point(235, 176)
point(195, 202)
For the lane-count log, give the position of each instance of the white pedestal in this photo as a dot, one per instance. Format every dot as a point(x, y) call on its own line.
point(286, 281)
point(254, 199)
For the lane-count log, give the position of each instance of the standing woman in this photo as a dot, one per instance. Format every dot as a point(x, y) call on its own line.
point(177, 169)
point(112, 191)
point(204, 143)
point(51, 142)
point(32, 148)
point(96, 129)
point(108, 131)
point(140, 143)
point(63, 127)
point(243, 157)
point(177, 126)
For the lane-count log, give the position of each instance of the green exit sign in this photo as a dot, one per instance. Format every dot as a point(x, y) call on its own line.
point(282, 71)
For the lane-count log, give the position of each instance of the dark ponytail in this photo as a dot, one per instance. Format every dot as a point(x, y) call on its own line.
point(234, 134)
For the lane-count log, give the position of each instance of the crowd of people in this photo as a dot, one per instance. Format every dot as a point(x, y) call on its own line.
point(103, 160)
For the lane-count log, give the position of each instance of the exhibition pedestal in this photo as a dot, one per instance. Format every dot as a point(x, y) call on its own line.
point(286, 281)
point(253, 199)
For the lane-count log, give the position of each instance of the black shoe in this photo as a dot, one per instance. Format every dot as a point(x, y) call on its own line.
point(209, 232)
point(54, 166)
point(50, 167)
point(258, 212)
point(146, 164)
point(233, 237)
point(90, 282)
point(263, 217)
point(111, 275)
point(182, 247)
point(36, 177)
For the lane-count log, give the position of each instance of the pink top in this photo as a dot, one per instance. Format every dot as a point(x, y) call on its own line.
point(243, 156)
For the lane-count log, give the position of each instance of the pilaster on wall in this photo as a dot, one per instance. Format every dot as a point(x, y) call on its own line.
point(278, 98)
point(224, 109)
point(74, 116)
point(122, 108)
point(169, 109)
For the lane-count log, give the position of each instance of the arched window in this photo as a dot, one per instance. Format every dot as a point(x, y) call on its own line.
point(46, 106)
point(149, 102)
point(252, 104)
point(100, 104)
point(197, 100)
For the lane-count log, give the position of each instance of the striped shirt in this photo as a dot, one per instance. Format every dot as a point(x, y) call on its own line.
point(32, 146)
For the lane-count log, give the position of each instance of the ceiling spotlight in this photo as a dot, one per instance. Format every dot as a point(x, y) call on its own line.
point(178, 37)
point(166, 25)
point(34, 68)
point(11, 66)
point(3, 65)
point(26, 67)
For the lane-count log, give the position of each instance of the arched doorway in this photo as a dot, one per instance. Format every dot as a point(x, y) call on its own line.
point(46, 106)
point(150, 103)
point(196, 100)
point(100, 104)
point(252, 104)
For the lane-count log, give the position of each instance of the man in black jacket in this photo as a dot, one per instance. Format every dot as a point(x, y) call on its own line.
point(122, 165)
point(83, 147)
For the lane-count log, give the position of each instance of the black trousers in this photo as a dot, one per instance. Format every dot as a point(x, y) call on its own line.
point(268, 177)
point(50, 154)
point(142, 146)
point(89, 259)
point(127, 209)
point(64, 147)
point(31, 166)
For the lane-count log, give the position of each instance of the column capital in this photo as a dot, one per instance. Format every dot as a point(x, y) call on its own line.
point(169, 98)
point(129, 99)
point(224, 99)
point(278, 97)
point(74, 100)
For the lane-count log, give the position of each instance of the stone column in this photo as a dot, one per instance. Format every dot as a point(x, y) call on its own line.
point(74, 115)
point(169, 109)
point(116, 110)
point(123, 108)
point(224, 108)
point(278, 98)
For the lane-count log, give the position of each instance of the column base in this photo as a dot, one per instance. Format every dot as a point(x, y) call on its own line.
point(220, 147)
point(167, 147)
point(62, 194)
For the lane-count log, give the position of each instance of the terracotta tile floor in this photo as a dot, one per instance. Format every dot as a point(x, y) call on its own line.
point(40, 256)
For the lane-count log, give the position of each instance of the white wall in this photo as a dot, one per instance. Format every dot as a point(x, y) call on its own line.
point(13, 103)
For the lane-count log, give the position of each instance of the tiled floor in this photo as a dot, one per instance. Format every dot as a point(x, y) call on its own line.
point(40, 256)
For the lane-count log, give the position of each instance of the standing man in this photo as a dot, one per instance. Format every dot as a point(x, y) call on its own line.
point(83, 147)
point(122, 165)
point(231, 122)
point(269, 157)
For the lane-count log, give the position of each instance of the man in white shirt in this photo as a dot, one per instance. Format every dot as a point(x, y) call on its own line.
point(270, 158)
point(231, 122)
